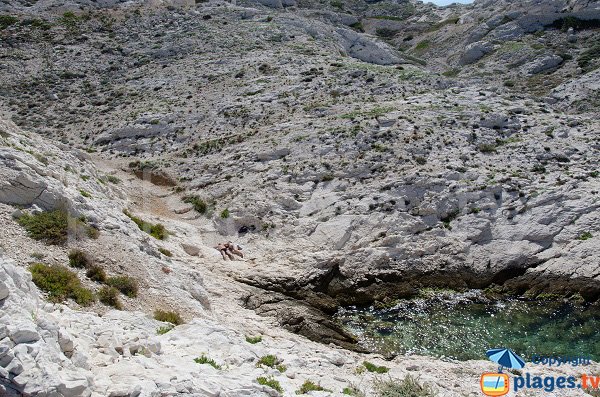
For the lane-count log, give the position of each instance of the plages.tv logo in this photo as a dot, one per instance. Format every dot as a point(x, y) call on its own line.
point(497, 383)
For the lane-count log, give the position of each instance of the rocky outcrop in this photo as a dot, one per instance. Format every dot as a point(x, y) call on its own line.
point(543, 64)
point(475, 51)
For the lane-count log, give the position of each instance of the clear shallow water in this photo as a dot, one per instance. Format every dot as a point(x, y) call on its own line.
point(459, 328)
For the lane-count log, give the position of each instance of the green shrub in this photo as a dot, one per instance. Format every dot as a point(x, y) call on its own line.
point(50, 226)
point(225, 213)
point(110, 297)
point(374, 368)
point(54, 227)
point(408, 387)
point(168, 317)
point(203, 359)
point(199, 205)
point(96, 273)
point(157, 231)
point(451, 73)
point(163, 330)
point(85, 193)
point(487, 148)
point(7, 20)
point(127, 285)
point(254, 339)
point(423, 45)
point(79, 259)
point(60, 283)
point(269, 361)
point(309, 386)
point(585, 236)
point(113, 179)
point(588, 57)
point(165, 252)
point(352, 391)
point(270, 382)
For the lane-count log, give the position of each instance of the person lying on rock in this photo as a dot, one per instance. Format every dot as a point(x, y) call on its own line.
point(224, 250)
point(234, 249)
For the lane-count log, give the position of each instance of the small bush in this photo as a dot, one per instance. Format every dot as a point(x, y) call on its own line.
point(165, 252)
point(168, 317)
point(270, 382)
point(309, 386)
point(225, 213)
point(163, 330)
point(85, 193)
point(157, 231)
point(54, 227)
point(585, 236)
point(127, 285)
point(113, 179)
point(110, 297)
point(79, 259)
point(199, 205)
point(269, 361)
point(7, 20)
point(254, 339)
point(408, 387)
point(50, 226)
point(203, 359)
point(487, 148)
point(60, 283)
point(352, 391)
point(374, 368)
point(96, 273)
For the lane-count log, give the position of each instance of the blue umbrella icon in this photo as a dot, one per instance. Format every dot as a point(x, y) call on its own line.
point(506, 358)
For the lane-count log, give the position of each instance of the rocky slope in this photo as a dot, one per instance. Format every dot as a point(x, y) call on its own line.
point(359, 151)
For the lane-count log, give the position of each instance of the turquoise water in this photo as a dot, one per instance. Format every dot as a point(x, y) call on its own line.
point(463, 327)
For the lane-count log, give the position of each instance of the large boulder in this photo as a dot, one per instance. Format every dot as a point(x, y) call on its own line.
point(475, 51)
point(542, 64)
point(367, 50)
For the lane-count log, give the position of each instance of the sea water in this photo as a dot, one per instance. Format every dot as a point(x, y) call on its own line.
point(461, 327)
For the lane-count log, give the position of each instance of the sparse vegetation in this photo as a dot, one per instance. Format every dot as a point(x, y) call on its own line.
point(585, 236)
point(168, 317)
point(158, 231)
point(113, 179)
point(125, 284)
point(352, 391)
point(96, 273)
point(268, 360)
point(374, 368)
point(60, 284)
point(254, 339)
point(423, 45)
point(7, 20)
point(54, 227)
point(164, 329)
point(270, 382)
point(203, 359)
point(79, 259)
point(225, 213)
point(110, 297)
point(165, 252)
point(85, 193)
point(308, 386)
point(199, 205)
point(408, 387)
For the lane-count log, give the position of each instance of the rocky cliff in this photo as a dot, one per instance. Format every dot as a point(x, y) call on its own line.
point(359, 151)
